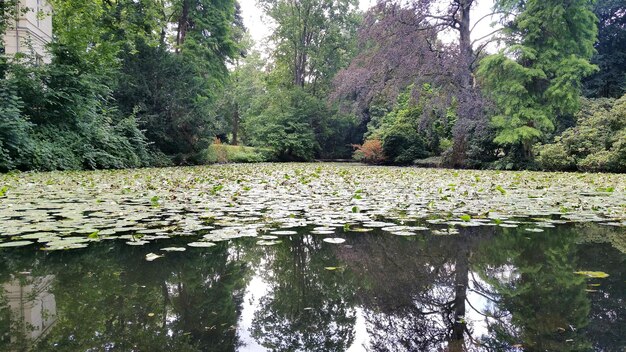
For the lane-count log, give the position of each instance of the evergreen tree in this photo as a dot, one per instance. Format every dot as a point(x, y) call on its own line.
point(535, 82)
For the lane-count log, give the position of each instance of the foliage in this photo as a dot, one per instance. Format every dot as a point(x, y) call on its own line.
point(536, 80)
point(371, 152)
point(222, 153)
point(119, 93)
point(173, 101)
point(311, 37)
point(394, 56)
point(60, 117)
point(596, 143)
point(610, 80)
point(15, 137)
point(285, 125)
point(242, 94)
point(408, 132)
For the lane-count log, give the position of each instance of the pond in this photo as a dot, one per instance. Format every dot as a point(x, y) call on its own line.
point(312, 257)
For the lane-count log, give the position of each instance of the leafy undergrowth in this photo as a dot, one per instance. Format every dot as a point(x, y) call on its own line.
point(65, 210)
point(223, 153)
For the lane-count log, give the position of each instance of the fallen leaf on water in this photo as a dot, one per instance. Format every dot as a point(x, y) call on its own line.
point(593, 274)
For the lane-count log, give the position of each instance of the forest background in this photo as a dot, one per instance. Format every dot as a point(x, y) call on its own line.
point(154, 83)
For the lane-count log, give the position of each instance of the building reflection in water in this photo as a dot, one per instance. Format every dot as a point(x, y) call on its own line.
point(29, 309)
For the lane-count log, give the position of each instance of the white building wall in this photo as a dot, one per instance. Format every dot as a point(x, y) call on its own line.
point(32, 31)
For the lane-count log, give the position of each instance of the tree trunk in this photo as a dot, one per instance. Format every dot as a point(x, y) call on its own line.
point(461, 281)
point(465, 44)
point(183, 24)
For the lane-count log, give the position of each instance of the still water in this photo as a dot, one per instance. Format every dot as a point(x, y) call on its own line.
point(485, 289)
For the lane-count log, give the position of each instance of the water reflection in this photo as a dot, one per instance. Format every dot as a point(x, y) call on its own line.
point(306, 307)
point(488, 289)
point(28, 310)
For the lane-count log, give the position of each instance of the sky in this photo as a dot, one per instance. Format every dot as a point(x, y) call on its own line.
point(260, 26)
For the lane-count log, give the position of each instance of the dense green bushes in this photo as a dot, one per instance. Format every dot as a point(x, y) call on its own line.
point(596, 143)
point(408, 133)
point(222, 153)
point(58, 116)
point(285, 125)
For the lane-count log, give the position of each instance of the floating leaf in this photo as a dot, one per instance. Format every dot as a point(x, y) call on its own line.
point(267, 243)
point(284, 233)
point(201, 244)
point(174, 249)
point(360, 229)
point(593, 274)
point(152, 256)
point(3, 190)
point(334, 240)
point(15, 244)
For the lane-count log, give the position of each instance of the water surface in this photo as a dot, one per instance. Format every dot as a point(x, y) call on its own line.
point(487, 288)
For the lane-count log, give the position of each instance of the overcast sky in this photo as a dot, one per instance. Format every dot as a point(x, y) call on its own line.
point(260, 26)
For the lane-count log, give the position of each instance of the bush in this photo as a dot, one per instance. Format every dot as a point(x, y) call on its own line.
point(286, 124)
point(597, 143)
point(403, 145)
point(221, 153)
point(371, 152)
point(555, 157)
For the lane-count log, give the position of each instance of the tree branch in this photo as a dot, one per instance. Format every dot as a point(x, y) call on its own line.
point(489, 15)
point(487, 35)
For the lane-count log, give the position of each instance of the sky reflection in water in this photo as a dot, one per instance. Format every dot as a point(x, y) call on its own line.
point(486, 289)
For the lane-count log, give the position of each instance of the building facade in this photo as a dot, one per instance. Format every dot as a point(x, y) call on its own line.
point(31, 30)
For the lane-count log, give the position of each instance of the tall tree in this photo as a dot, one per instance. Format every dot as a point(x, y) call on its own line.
point(311, 36)
point(536, 80)
point(610, 80)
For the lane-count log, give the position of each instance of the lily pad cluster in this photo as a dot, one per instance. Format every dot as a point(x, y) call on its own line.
point(68, 210)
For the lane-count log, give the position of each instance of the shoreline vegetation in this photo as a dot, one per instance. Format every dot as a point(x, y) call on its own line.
point(132, 85)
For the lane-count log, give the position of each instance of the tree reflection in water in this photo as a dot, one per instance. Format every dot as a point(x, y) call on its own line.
point(486, 289)
point(110, 298)
point(307, 308)
point(415, 290)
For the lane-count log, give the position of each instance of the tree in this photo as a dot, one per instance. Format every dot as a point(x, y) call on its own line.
point(313, 40)
point(243, 92)
point(610, 80)
point(310, 37)
point(536, 81)
point(399, 48)
point(596, 143)
point(285, 124)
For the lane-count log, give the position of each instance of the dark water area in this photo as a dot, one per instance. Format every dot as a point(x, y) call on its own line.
point(487, 288)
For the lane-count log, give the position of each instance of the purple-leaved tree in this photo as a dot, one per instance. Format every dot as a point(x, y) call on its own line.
point(399, 46)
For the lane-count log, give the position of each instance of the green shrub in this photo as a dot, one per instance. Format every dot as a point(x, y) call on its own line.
point(403, 145)
point(555, 157)
point(597, 142)
point(222, 153)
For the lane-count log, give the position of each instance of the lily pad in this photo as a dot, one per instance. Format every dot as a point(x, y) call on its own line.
point(15, 244)
point(334, 240)
point(152, 256)
point(201, 244)
point(174, 249)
